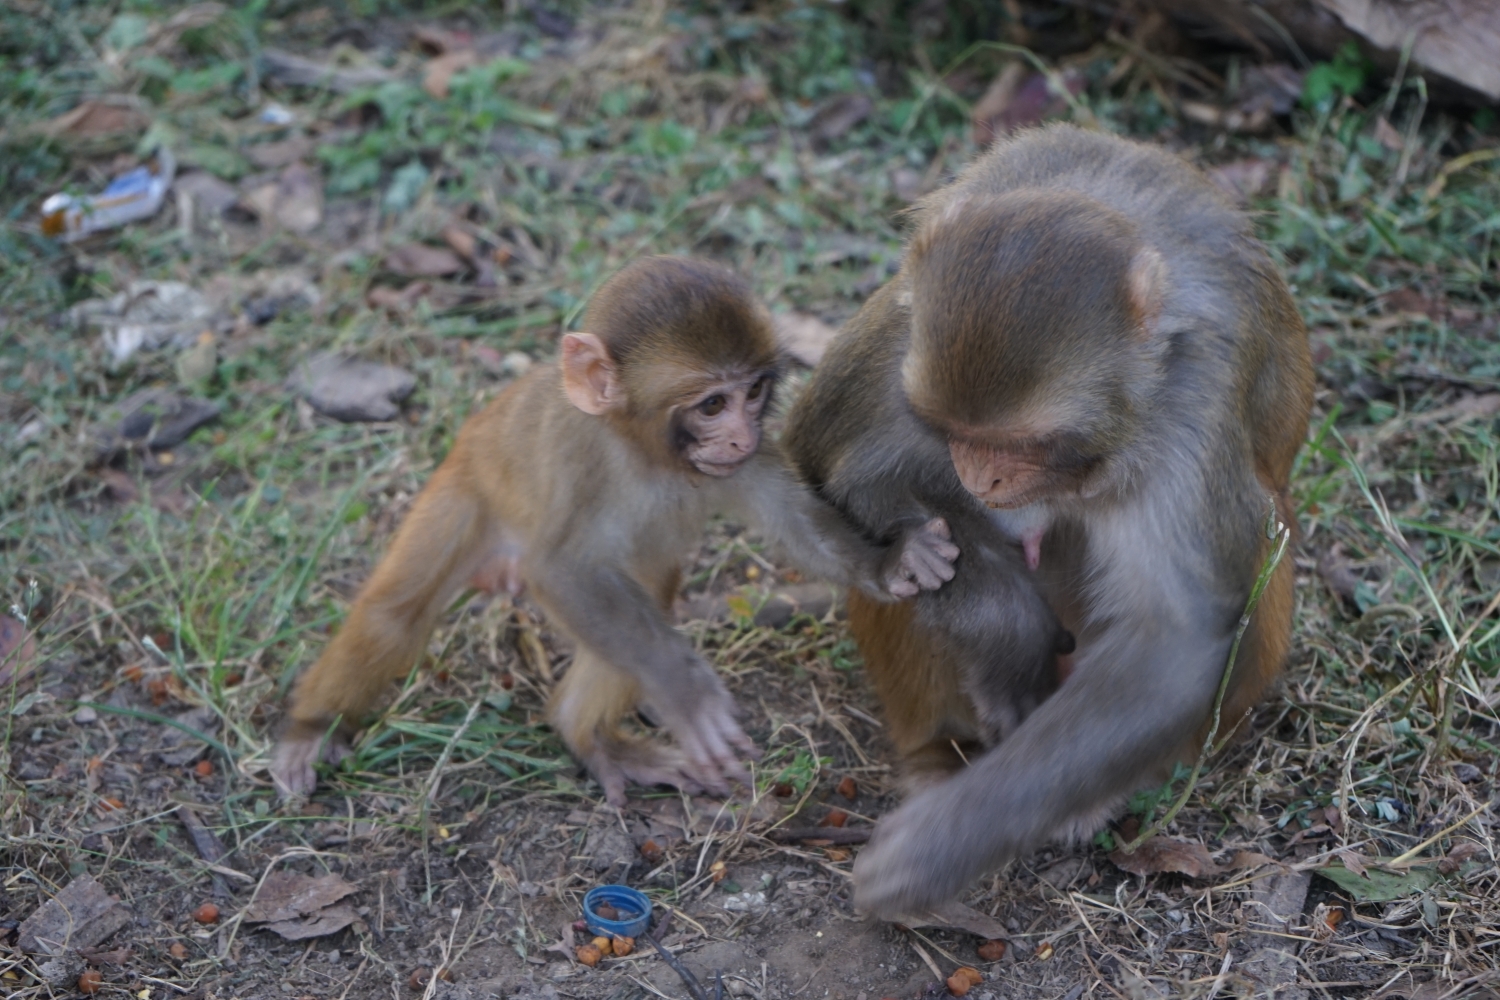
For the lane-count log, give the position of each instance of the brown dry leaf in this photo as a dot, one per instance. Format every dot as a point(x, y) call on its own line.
point(291, 896)
point(437, 41)
point(320, 924)
point(1243, 179)
point(1163, 854)
point(1249, 859)
point(418, 260)
point(804, 337)
point(835, 118)
point(1338, 572)
point(1354, 862)
point(397, 300)
point(438, 76)
point(1387, 136)
point(1461, 852)
point(293, 201)
point(1414, 303)
point(17, 650)
point(462, 241)
point(81, 916)
point(275, 155)
point(1015, 100)
point(93, 119)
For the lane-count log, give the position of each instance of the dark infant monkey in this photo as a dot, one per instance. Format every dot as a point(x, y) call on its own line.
point(1093, 372)
point(589, 480)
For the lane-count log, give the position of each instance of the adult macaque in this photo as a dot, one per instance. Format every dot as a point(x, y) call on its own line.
point(590, 480)
point(1091, 369)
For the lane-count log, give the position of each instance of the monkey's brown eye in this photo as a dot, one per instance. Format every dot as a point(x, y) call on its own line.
point(712, 406)
point(758, 388)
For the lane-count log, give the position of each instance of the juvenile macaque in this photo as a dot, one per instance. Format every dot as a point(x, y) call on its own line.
point(589, 480)
point(1088, 362)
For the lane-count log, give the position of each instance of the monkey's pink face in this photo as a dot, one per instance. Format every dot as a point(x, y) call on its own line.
point(721, 429)
point(998, 476)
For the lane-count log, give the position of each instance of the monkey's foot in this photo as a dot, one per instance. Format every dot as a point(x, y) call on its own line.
point(297, 752)
point(622, 762)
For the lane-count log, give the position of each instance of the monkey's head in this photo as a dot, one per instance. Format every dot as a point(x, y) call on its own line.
point(1033, 340)
point(681, 358)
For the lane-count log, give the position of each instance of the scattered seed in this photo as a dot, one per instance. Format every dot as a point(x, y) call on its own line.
point(588, 955)
point(90, 981)
point(208, 913)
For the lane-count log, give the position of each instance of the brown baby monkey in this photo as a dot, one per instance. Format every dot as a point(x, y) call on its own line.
point(589, 480)
point(1089, 368)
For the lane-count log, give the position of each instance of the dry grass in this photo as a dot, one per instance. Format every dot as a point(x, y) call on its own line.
point(156, 586)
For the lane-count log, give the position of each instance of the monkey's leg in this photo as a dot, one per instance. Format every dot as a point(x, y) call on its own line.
point(930, 719)
point(440, 544)
point(586, 708)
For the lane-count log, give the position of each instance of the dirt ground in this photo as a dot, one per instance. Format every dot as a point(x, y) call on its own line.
point(437, 189)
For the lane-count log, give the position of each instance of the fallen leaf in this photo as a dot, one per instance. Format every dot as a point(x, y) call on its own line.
point(293, 201)
point(1248, 859)
point(98, 118)
point(1461, 852)
point(1412, 302)
point(1017, 100)
point(348, 389)
point(1376, 886)
point(1387, 136)
point(275, 155)
point(17, 650)
point(418, 260)
point(210, 194)
point(298, 907)
point(1243, 179)
point(804, 337)
point(1338, 572)
point(837, 116)
point(462, 241)
point(437, 41)
point(1354, 863)
point(397, 300)
point(1163, 854)
point(438, 76)
point(81, 916)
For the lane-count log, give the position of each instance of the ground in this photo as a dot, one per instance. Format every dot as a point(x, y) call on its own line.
point(439, 189)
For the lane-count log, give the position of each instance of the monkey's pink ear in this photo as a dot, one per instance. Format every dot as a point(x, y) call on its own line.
point(1148, 292)
point(589, 375)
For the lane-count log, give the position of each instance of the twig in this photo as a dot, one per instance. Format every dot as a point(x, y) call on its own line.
point(831, 834)
point(688, 979)
point(1283, 535)
point(1411, 854)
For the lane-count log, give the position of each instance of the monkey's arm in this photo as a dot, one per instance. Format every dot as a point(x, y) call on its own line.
point(822, 542)
point(1133, 700)
point(609, 612)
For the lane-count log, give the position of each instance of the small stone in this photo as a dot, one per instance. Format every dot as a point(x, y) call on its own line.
point(517, 363)
point(85, 715)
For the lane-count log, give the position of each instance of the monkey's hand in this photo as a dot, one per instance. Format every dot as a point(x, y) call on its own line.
point(922, 559)
point(300, 747)
point(701, 715)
